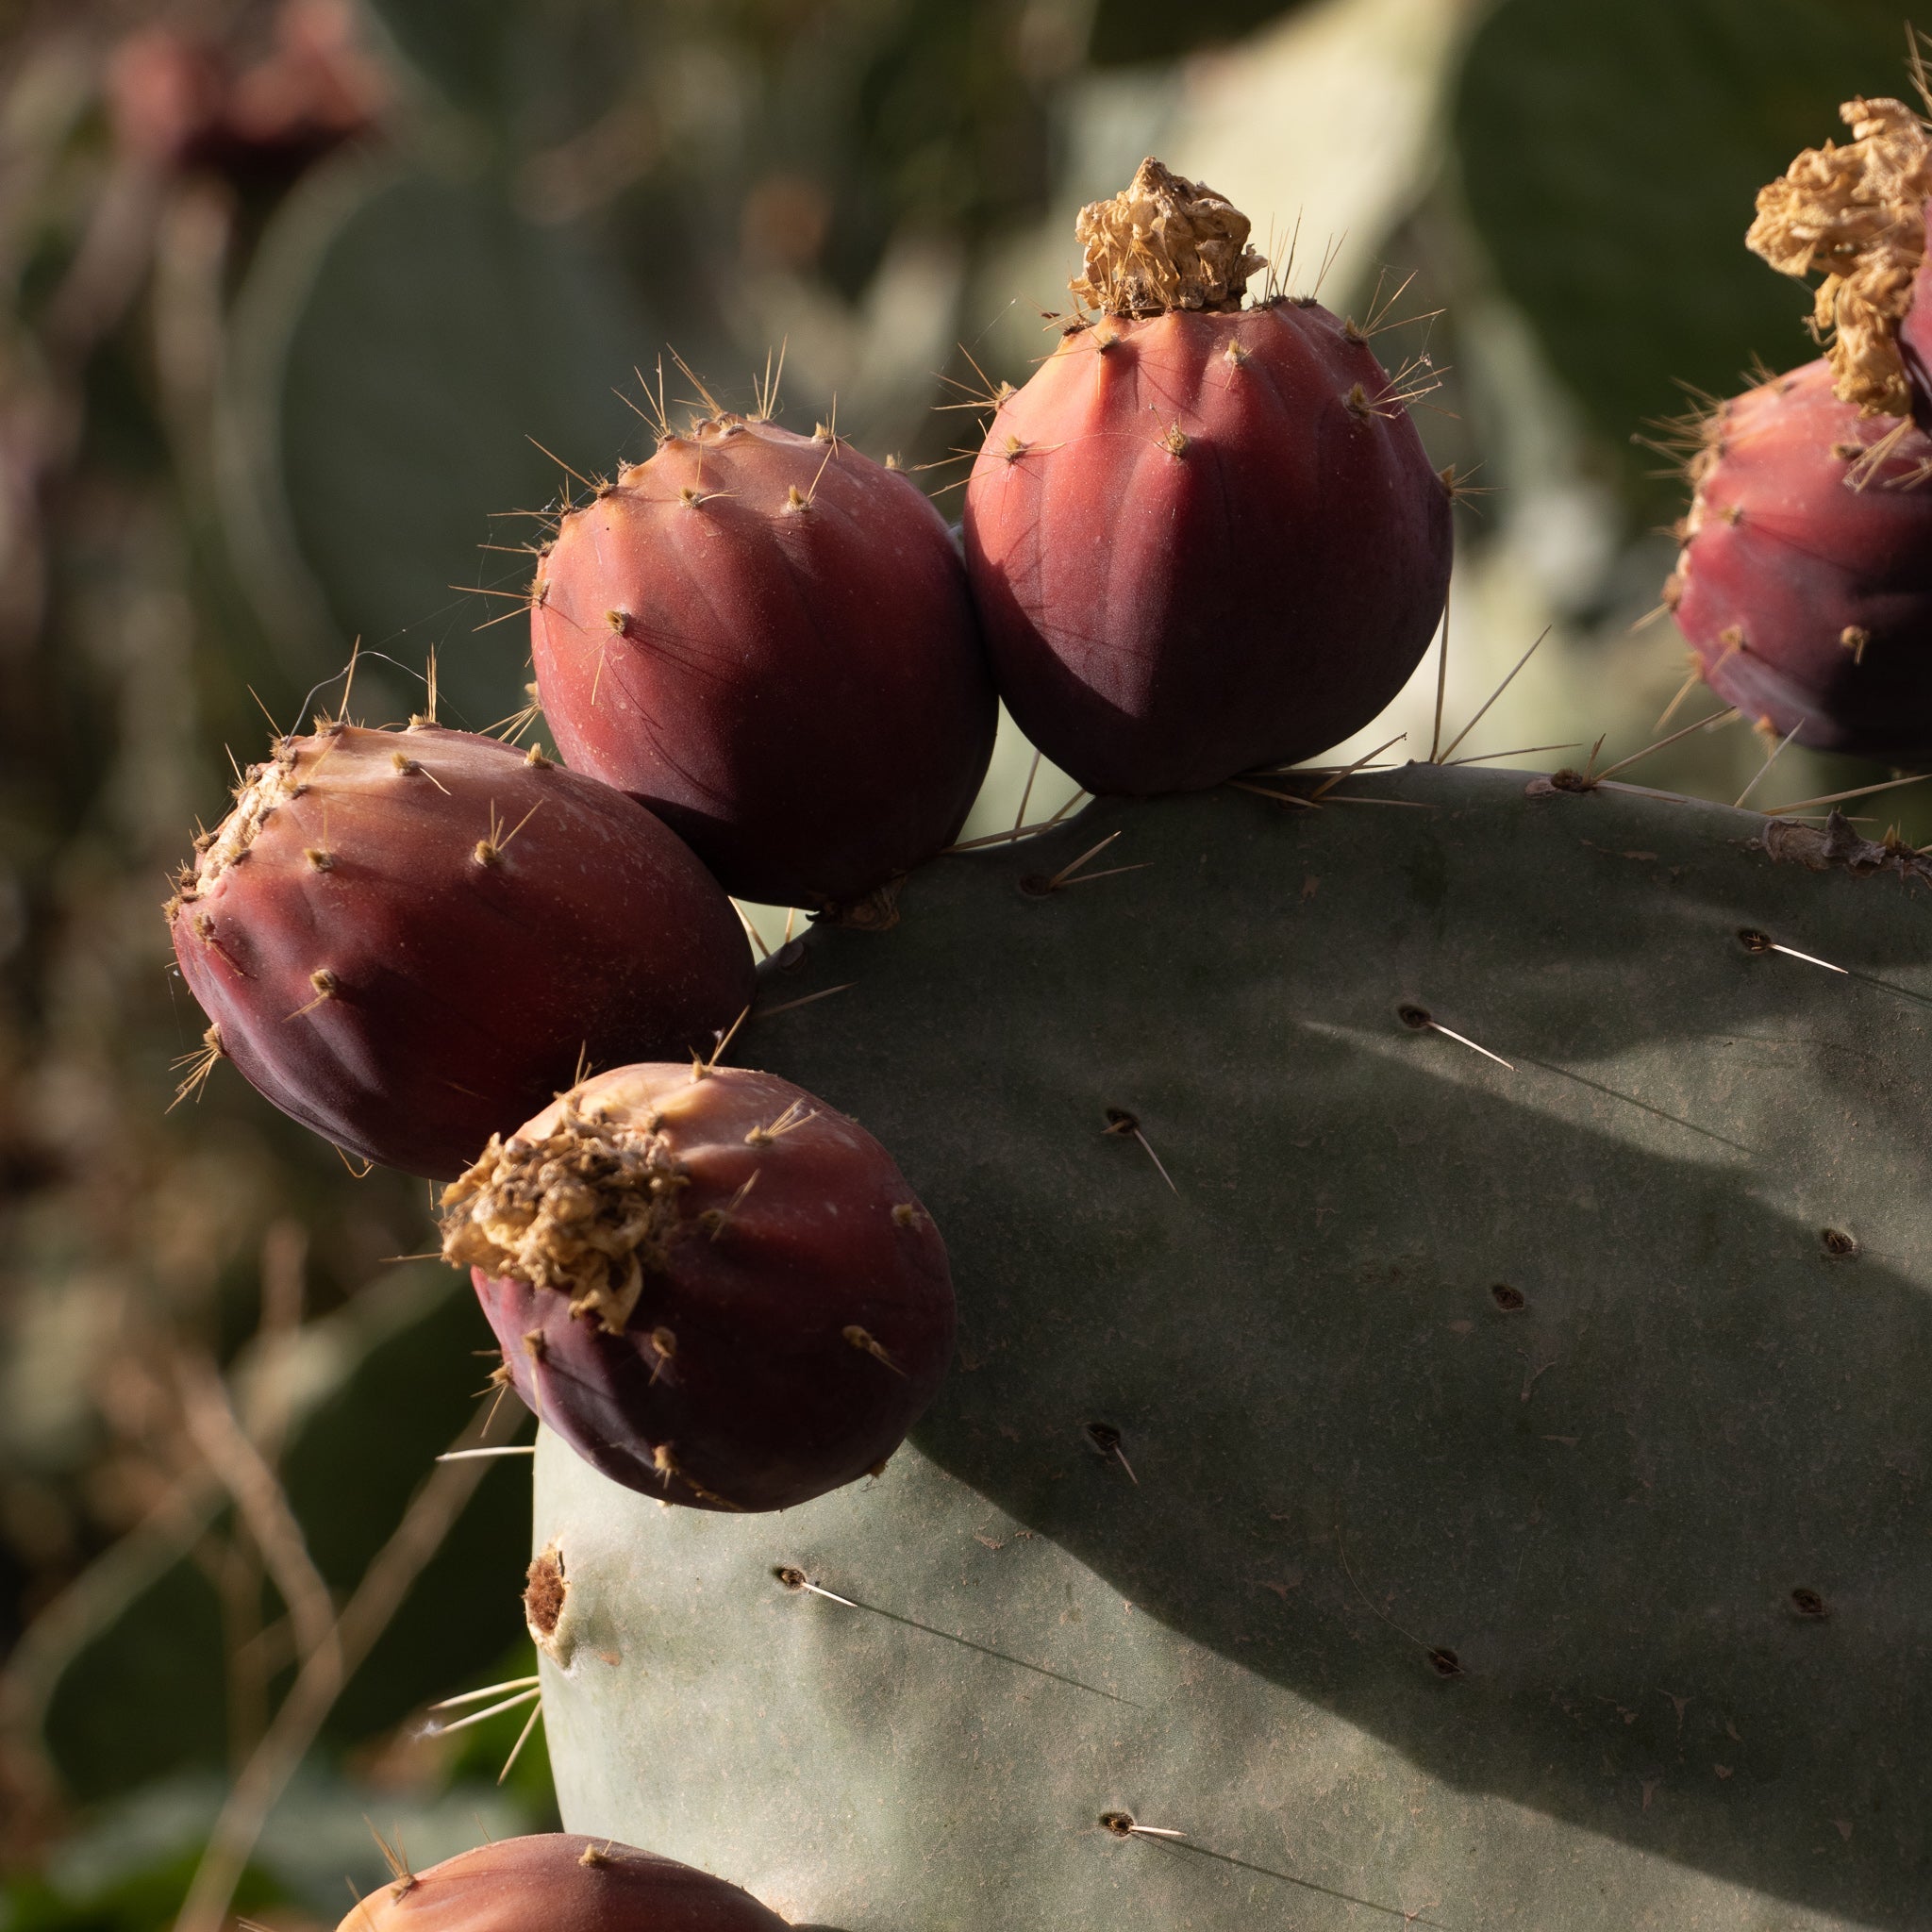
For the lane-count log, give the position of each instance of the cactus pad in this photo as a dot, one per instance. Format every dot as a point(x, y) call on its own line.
point(1476, 1493)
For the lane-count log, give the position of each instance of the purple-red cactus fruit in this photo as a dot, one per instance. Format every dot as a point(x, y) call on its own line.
point(1805, 583)
point(411, 940)
point(767, 639)
point(1202, 538)
point(713, 1287)
point(558, 1882)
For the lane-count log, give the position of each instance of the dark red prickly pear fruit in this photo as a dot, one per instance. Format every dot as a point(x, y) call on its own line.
point(410, 939)
point(558, 1882)
point(1202, 538)
point(713, 1287)
point(1805, 583)
point(767, 638)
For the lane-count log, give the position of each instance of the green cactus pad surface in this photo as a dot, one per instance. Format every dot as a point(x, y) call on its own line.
point(1496, 1495)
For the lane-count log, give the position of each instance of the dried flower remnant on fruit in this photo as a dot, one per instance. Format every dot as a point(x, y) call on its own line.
point(583, 1211)
point(265, 787)
point(1163, 243)
point(1858, 213)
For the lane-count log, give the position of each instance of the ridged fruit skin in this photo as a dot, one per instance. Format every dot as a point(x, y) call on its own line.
point(780, 1246)
point(767, 638)
point(484, 920)
point(560, 1882)
point(1202, 542)
point(1807, 600)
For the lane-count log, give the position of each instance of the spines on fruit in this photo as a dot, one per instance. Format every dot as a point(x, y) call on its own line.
point(1202, 538)
point(767, 638)
point(561, 1880)
point(410, 939)
point(1803, 585)
point(715, 1287)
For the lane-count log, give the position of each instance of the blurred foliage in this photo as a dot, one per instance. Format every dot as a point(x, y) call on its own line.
point(150, 1694)
point(401, 339)
point(1126, 31)
point(134, 1902)
point(299, 306)
point(1610, 157)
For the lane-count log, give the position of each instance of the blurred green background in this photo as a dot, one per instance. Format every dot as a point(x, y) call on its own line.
point(308, 306)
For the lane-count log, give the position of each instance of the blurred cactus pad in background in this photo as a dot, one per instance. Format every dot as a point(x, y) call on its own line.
point(317, 316)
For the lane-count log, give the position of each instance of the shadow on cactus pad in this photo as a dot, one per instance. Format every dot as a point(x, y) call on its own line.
point(1473, 1490)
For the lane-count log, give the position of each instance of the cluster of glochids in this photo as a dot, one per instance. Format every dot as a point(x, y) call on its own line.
point(1203, 539)
point(1803, 585)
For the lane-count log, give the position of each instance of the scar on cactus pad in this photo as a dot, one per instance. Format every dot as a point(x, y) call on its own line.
point(1858, 213)
point(1204, 536)
point(715, 1287)
point(546, 1590)
point(561, 1879)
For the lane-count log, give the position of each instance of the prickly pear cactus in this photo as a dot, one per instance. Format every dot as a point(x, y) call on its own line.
point(1470, 1493)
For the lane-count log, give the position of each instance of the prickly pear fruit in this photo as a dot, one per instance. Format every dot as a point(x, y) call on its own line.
point(410, 939)
point(714, 1287)
point(1858, 213)
point(767, 638)
point(1201, 538)
point(1495, 1493)
point(1805, 580)
point(565, 1884)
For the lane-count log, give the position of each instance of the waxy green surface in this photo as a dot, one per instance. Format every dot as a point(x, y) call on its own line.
point(1349, 1445)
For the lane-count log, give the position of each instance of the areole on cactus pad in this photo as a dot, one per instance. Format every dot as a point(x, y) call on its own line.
point(1477, 1492)
point(411, 940)
point(715, 1287)
point(561, 1882)
point(1202, 538)
point(767, 638)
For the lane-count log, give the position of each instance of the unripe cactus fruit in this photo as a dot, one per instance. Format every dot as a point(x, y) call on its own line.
point(411, 940)
point(1202, 538)
point(767, 638)
point(714, 1287)
point(1805, 581)
point(562, 1883)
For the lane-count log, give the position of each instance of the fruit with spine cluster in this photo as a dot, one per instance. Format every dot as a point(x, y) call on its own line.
point(716, 1290)
point(410, 939)
point(1202, 538)
point(562, 1882)
point(767, 638)
point(1805, 581)
point(1460, 1455)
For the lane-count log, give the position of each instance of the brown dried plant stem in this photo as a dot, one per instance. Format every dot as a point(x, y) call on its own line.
point(324, 1675)
point(259, 1498)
